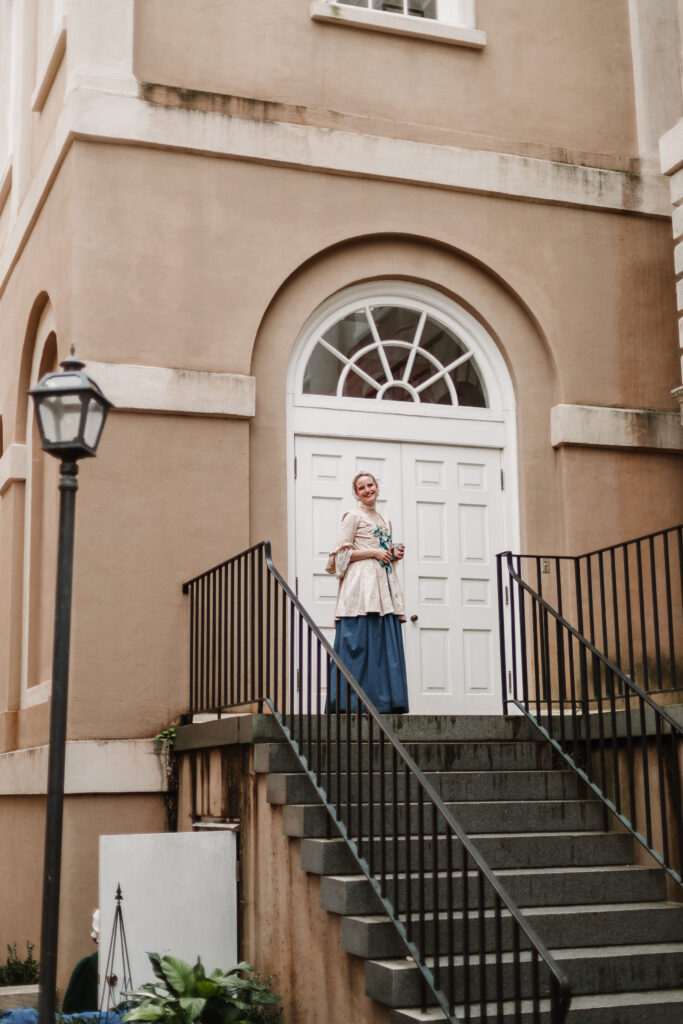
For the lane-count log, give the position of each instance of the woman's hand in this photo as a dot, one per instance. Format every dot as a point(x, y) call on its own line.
point(398, 551)
point(383, 556)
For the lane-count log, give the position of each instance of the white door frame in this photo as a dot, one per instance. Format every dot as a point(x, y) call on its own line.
point(325, 416)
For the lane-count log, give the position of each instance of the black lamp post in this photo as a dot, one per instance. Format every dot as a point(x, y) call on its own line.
point(71, 410)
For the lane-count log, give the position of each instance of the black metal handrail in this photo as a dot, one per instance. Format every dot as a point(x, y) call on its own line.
point(626, 599)
point(253, 643)
point(594, 715)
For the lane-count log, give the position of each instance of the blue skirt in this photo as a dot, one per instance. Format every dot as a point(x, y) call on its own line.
point(371, 647)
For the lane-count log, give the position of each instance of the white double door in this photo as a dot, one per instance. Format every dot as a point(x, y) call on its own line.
point(445, 504)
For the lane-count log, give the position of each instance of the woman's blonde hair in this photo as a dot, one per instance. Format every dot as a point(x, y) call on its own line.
point(357, 478)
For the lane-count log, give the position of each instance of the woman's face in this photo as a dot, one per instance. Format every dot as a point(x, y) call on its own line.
point(366, 489)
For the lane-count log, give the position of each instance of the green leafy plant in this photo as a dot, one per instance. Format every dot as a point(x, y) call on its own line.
point(167, 734)
point(18, 971)
point(184, 994)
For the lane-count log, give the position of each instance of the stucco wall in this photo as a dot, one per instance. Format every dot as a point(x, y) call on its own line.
point(285, 931)
point(85, 817)
point(553, 75)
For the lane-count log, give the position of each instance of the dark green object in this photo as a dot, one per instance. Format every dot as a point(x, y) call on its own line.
point(81, 992)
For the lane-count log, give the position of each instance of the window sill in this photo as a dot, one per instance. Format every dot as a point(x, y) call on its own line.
point(397, 24)
point(50, 68)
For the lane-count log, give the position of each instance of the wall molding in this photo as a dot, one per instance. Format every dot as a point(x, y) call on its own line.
point(12, 466)
point(97, 116)
point(92, 766)
point(163, 389)
point(595, 426)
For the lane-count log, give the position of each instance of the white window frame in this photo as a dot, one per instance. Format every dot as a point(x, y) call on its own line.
point(455, 23)
point(490, 363)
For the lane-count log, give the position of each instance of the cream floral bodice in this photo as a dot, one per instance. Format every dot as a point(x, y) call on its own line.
point(366, 585)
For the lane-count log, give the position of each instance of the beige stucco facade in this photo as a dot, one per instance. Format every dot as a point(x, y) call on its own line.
point(181, 187)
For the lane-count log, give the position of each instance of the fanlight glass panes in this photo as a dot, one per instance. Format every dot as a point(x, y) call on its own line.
point(394, 354)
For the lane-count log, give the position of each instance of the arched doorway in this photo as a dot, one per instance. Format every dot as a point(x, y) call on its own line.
point(398, 380)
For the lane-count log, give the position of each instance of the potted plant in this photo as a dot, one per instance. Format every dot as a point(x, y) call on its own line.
point(184, 994)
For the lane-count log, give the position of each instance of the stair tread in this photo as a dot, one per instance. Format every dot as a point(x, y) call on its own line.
point(546, 911)
point(607, 1000)
point(525, 955)
point(507, 872)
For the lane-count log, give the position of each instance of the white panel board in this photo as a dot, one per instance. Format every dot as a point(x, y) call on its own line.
point(179, 897)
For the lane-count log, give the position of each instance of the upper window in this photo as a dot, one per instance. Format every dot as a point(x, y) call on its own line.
point(444, 21)
point(394, 353)
point(455, 12)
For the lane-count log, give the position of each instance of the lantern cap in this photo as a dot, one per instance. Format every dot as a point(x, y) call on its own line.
point(70, 410)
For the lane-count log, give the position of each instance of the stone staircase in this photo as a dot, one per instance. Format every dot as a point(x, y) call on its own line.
point(605, 918)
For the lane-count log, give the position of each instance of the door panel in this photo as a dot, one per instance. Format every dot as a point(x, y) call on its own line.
point(445, 504)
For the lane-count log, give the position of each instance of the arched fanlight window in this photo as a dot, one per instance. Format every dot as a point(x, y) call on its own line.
point(394, 353)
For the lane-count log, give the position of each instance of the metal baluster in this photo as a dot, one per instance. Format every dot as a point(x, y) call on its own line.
point(249, 639)
point(259, 624)
point(226, 617)
point(193, 648)
point(371, 794)
point(466, 955)
point(421, 880)
point(517, 971)
point(535, 987)
point(561, 677)
point(233, 614)
point(498, 940)
point(646, 771)
point(359, 775)
point(202, 649)
point(615, 608)
point(629, 619)
point(522, 641)
point(283, 670)
point(501, 631)
point(299, 682)
point(615, 741)
point(655, 613)
point(318, 712)
point(661, 785)
point(240, 599)
point(382, 815)
point(214, 612)
point(436, 943)
point(630, 759)
point(349, 767)
point(409, 873)
point(669, 612)
point(450, 923)
point(675, 791)
point(643, 631)
point(481, 928)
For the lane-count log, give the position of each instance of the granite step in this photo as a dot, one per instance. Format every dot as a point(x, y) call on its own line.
point(296, 788)
point(374, 936)
point(513, 849)
point(645, 1007)
point(484, 817)
point(530, 887)
point(591, 971)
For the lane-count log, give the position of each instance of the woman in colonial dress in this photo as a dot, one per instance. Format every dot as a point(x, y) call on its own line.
point(369, 610)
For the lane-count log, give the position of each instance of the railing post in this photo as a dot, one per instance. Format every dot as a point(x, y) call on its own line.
point(501, 631)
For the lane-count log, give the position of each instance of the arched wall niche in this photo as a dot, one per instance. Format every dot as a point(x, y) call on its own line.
point(457, 278)
point(41, 313)
point(40, 526)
